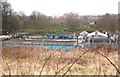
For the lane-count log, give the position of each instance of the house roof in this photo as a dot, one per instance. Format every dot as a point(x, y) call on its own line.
point(97, 33)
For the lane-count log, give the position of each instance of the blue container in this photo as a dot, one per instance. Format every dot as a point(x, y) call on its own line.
point(53, 36)
point(68, 37)
point(73, 36)
point(48, 36)
point(63, 36)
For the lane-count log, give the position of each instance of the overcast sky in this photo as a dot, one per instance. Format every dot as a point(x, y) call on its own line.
point(60, 7)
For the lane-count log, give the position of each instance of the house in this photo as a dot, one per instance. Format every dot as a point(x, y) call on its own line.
point(84, 33)
point(97, 34)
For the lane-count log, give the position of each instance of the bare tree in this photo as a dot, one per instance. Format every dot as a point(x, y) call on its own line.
point(72, 21)
point(9, 21)
point(107, 23)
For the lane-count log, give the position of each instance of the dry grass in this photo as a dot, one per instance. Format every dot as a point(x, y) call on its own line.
point(30, 61)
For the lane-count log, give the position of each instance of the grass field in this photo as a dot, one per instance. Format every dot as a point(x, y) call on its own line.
point(99, 60)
